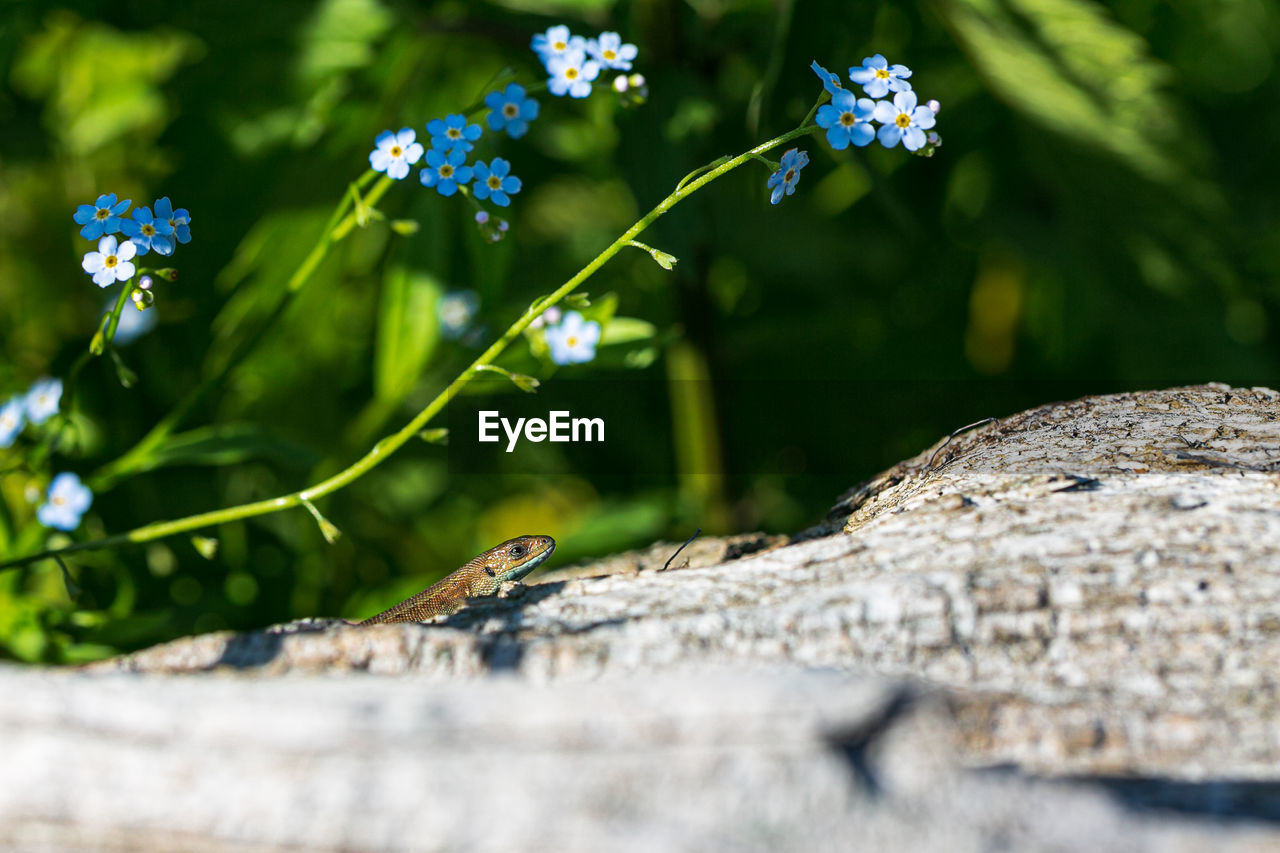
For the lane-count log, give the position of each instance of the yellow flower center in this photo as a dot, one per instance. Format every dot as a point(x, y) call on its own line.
point(396, 151)
point(446, 171)
point(609, 55)
point(789, 176)
point(572, 340)
point(148, 230)
point(494, 182)
point(847, 119)
point(882, 73)
point(173, 224)
point(57, 500)
point(102, 213)
point(558, 45)
point(510, 111)
point(571, 73)
point(453, 133)
point(110, 261)
point(903, 121)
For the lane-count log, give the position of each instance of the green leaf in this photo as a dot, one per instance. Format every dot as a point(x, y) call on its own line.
point(1069, 66)
point(622, 330)
point(227, 444)
point(577, 300)
point(408, 330)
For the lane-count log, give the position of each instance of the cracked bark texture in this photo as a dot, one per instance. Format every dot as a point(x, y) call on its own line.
point(1093, 587)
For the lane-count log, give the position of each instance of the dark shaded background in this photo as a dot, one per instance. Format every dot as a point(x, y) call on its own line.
point(1102, 216)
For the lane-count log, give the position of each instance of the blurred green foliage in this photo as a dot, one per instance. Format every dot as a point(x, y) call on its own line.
point(1102, 216)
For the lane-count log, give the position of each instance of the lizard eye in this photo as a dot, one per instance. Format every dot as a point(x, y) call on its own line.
point(516, 551)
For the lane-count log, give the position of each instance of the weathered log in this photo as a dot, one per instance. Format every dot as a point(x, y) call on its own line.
point(1089, 590)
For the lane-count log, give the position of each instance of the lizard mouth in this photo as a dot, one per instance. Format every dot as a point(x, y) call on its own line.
point(533, 563)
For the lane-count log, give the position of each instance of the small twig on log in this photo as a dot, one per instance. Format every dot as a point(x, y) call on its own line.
point(954, 434)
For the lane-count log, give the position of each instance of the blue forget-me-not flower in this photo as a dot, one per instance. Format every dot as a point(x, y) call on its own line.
point(495, 182)
point(68, 499)
point(101, 217)
point(555, 42)
point(574, 340)
point(877, 77)
point(830, 80)
point(847, 119)
point(13, 417)
point(783, 182)
point(452, 133)
point(610, 52)
point(903, 120)
point(148, 232)
point(444, 171)
point(571, 73)
point(510, 110)
point(394, 153)
point(111, 263)
point(42, 399)
point(179, 220)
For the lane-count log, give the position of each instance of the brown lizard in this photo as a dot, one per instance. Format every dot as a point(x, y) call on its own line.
point(483, 575)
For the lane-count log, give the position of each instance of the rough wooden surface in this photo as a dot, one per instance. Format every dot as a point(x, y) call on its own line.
point(1094, 587)
point(715, 760)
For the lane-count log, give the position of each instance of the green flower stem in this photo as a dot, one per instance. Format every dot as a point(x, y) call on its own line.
point(106, 334)
point(822, 99)
point(136, 457)
point(345, 227)
point(391, 443)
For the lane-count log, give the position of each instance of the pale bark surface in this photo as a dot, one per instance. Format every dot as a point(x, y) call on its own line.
point(1089, 590)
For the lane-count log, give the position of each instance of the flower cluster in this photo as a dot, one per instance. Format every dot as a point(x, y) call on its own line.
point(34, 407)
point(573, 63)
point(146, 231)
point(848, 118)
point(452, 138)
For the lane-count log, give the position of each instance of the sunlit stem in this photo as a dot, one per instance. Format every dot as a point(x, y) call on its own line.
point(822, 99)
point(107, 331)
point(383, 449)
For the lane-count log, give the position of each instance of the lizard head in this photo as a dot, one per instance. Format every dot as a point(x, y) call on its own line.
point(515, 558)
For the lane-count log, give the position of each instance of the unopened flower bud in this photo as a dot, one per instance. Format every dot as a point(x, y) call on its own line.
point(934, 105)
point(145, 282)
point(503, 225)
point(143, 299)
point(620, 83)
point(482, 216)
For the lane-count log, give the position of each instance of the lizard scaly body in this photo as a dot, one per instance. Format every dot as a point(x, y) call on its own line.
point(481, 576)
